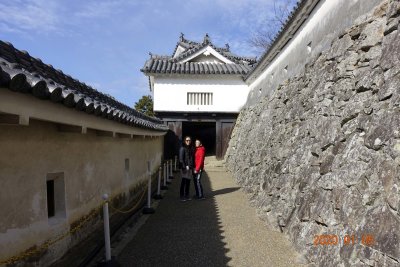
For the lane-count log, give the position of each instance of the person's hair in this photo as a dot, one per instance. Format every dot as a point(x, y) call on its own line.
point(184, 139)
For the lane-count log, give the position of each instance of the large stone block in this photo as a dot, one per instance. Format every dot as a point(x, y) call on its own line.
point(391, 50)
point(372, 34)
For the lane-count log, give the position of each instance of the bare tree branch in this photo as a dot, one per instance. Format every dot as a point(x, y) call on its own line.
point(265, 33)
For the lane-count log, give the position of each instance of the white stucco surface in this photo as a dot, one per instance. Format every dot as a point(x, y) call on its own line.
point(170, 94)
point(328, 19)
point(207, 54)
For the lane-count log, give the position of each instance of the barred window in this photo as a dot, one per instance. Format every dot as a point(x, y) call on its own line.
point(199, 98)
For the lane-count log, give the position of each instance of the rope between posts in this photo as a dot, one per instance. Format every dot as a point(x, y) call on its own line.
point(48, 243)
point(131, 209)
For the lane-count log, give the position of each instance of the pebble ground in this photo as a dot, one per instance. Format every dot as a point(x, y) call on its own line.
point(222, 230)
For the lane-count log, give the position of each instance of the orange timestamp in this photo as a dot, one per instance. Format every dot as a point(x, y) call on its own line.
point(347, 240)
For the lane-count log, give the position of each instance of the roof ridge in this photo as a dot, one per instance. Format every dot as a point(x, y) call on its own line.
point(183, 40)
point(224, 51)
point(196, 46)
point(232, 55)
point(159, 66)
point(155, 56)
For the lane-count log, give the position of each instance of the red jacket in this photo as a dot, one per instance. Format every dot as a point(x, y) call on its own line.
point(199, 158)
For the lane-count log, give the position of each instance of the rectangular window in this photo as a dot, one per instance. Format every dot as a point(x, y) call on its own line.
point(55, 187)
point(202, 99)
point(50, 199)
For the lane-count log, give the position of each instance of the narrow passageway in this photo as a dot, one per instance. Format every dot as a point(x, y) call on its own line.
point(222, 230)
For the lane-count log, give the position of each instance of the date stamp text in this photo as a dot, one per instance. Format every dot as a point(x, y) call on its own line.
point(346, 240)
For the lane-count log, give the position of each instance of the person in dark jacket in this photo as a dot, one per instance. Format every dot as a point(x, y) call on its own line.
point(186, 162)
point(199, 155)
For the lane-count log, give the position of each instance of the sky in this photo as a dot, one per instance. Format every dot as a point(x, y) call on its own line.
point(105, 43)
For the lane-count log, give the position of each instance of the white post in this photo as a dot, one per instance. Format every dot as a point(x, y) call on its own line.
point(148, 209)
point(159, 182)
point(167, 171)
point(165, 175)
point(149, 186)
point(175, 163)
point(158, 195)
point(106, 229)
point(170, 169)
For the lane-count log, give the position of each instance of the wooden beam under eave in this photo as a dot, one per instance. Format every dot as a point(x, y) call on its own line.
point(12, 119)
point(105, 133)
point(65, 128)
point(121, 135)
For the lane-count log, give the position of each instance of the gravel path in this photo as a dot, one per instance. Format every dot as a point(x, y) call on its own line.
point(222, 230)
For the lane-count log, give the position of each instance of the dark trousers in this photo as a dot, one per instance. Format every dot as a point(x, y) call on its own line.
point(185, 183)
point(197, 184)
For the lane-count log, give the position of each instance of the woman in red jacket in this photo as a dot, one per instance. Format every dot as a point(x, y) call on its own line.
point(198, 168)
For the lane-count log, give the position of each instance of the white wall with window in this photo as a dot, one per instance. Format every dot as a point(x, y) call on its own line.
point(199, 94)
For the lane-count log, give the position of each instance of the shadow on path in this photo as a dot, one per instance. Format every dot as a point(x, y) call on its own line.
point(223, 191)
point(180, 233)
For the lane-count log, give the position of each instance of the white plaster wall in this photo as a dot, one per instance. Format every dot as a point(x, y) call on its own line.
point(229, 94)
point(207, 54)
point(92, 165)
point(207, 59)
point(328, 19)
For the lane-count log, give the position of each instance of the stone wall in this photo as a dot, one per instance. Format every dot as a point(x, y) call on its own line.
point(321, 155)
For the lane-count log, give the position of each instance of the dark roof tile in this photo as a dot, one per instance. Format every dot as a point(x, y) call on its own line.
point(164, 67)
point(23, 73)
point(168, 68)
point(192, 47)
point(170, 65)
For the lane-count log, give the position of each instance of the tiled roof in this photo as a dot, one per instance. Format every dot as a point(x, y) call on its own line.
point(169, 67)
point(185, 43)
point(297, 16)
point(223, 51)
point(170, 64)
point(162, 57)
point(22, 73)
point(234, 57)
